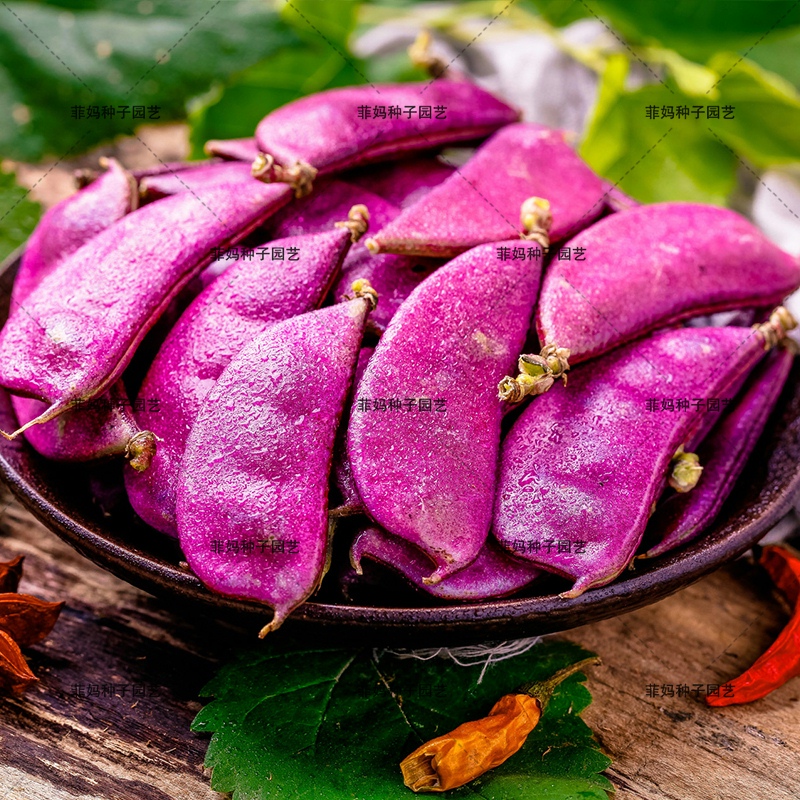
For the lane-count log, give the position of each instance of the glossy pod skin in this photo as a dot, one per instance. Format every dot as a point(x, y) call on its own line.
point(402, 183)
point(247, 298)
point(322, 133)
point(653, 266)
point(193, 179)
point(491, 574)
point(428, 476)
point(232, 149)
point(393, 277)
point(480, 202)
point(86, 318)
point(585, 463)
point(259, 455)
point(69, 224)
point(682, 517)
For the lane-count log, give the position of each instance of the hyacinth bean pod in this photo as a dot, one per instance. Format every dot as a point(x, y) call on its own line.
point(404, 182)
point(323, 134)
point(428, 476)
point(84, 321)
point(393, 277)
point(480, 202)
point(653, 266)
point(342, 472)
point(105, 428)
point(724, 456)
point(493, 573)
point(194, 179)
point(587, 462)
point(259, 455)
point(232, 149)
point(69, 224)
point(247, 298)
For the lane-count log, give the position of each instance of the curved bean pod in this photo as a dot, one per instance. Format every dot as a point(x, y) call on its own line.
point(429, 476)
point(85, 319)
point(493, 573)
point(655, 265)
point(402, 183)
point(393, 277)
point(586, 463)
point(69, 224)
point(723, 456)
point(193, 179)
point(283, 396)
point(322, 133)
point(480, 202)
point(232, 149)
point(247, 298)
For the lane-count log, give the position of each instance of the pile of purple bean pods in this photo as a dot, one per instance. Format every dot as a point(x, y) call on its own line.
point(497, 370)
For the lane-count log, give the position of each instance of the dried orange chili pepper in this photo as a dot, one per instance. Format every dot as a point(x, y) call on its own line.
point(475, 747)
point(781, 662)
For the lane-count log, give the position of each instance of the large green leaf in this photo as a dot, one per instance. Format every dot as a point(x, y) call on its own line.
point(112, 53)
point(304, 722)
point(654, 159)
point(18, 215)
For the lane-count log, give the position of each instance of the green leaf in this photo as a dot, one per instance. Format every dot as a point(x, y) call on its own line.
point(18, 215)
point(655, 160)
point(54, 56)
point(766, 121)
point(304, 722)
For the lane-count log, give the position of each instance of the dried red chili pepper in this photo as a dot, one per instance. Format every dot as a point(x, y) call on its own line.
point(26, 618)
point(781, 662)
point(15, 674)
point(10, 573)
point(475, 747)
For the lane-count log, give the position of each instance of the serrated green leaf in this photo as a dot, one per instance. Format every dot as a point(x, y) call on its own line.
point(111, 53)
point(18, 215)
point(289, 721)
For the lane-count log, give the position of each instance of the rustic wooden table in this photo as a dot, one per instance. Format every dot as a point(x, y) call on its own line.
point(120, 674)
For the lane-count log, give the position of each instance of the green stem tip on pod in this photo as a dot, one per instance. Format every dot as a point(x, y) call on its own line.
point(362, 288)
point(300, 176)
point(536, 374)
point(419, 54)
point(775, 329)
point(686, 471)
point(357, 222)
point(140, 450)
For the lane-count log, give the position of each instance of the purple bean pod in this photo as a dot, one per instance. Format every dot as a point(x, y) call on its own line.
point(492, 574)
point(194, 179)
point(723, 455)
point(480, 202)
point(402, 183)
point(84, 321)
point(393, 277)
point(428, 475)
point(653, 266)
point(586, 463)
point(233, 149)
point(246, 299)
point(322, 133)
point(258, 459)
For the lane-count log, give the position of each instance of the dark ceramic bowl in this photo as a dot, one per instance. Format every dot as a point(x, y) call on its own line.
point(86, 506)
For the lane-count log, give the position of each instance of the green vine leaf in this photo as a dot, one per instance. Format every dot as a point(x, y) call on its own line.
point(303, 722)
